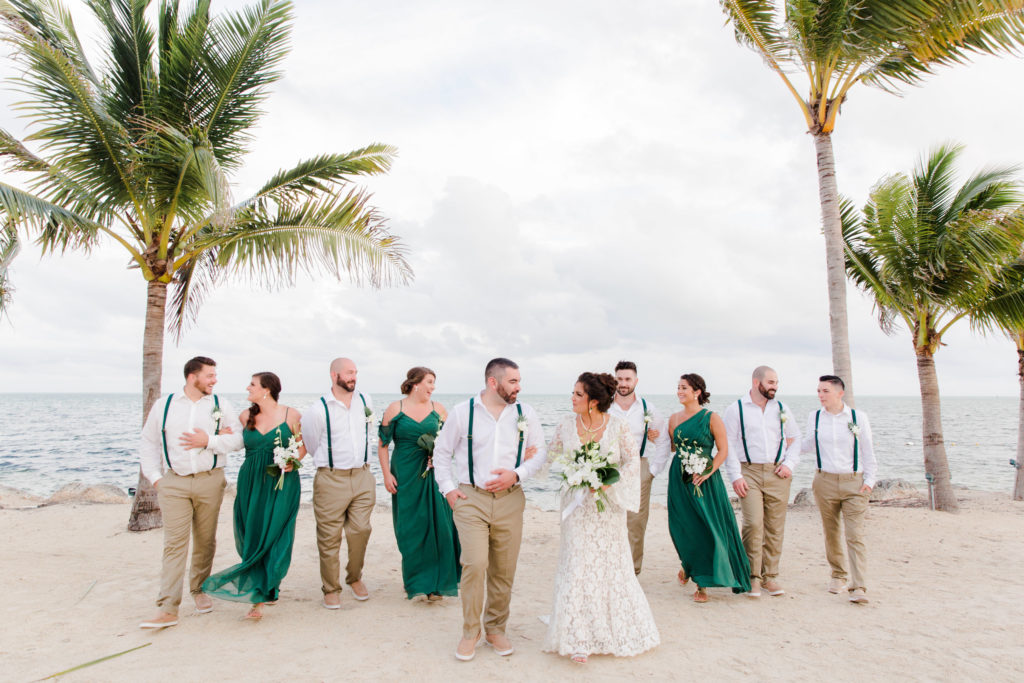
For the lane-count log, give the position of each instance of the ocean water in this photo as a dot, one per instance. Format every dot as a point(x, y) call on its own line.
point(48, 440)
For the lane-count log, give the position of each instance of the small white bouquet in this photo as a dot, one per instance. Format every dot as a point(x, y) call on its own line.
point(284, 456)
point(589, 468)
point(693, 462)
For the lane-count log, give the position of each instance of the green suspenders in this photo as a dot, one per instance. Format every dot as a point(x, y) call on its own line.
point(330, 449)
point(643, 444)
point(469, 441)
point(366, 453)
point(743, 431)
point(163, 429)
point(817, 447)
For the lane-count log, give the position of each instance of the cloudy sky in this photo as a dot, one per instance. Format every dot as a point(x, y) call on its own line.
point(577, 182)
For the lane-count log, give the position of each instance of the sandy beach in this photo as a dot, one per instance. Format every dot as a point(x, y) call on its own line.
point(947, 603)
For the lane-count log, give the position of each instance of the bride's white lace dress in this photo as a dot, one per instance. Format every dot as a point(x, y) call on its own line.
point(599, 606)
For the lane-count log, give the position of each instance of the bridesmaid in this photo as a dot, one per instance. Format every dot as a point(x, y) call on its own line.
point(703, 528)
point(264, 515)
point(422, 518)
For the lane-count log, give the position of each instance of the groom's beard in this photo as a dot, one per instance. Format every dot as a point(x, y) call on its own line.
point(765, 391)
point(625, 391)
point(508, 396)
point(348, 386)
point(205, 390)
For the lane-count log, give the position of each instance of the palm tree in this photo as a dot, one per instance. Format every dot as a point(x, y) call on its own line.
point(8, 250)
point(137, 150)
point(931, 254)
point(886, 44)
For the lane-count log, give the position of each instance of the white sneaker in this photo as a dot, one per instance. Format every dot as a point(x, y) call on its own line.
point(755, 589)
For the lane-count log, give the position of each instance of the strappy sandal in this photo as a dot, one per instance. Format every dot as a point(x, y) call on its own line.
point(254, 614)
point(700, 595)
point(683, 577)
point(578, 658)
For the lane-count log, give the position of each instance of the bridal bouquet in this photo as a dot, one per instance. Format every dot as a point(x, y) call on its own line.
point(589, 468)
point(426, 442)
point(284, 456)
point(693, 462)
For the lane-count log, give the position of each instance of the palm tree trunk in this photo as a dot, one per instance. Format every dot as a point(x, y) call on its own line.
point(935, 461)
point(835, 262)
point(1018, 484)
point(146, 510)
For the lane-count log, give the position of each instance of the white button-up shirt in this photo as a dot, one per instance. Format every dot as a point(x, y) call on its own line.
point(836, 442)
point(351, 431)
point(763, 435)
point(184, 415)
point(634, 417)
point(495, 444)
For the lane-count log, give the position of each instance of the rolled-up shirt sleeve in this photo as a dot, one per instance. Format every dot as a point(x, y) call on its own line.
point(658, 460)
point(444, 454)
point(151, 448)
point(791, 458)
point(731, 418)
point(867, 451)
point(223, 443)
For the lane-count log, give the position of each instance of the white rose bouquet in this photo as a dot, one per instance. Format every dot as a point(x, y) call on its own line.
point(589, 468)
point(283, 456)
point(692, 461)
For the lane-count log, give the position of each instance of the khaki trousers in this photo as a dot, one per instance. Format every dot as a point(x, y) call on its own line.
point(490, 527)
point(189, 504)
point(636, 522)
point(839, 495)
point(342, 502)
point(764, 518)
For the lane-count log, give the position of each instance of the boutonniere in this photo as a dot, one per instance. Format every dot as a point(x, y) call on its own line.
point(648, 417)
point(217, 415)
point(854, 429)
point(369, 415)
point(522, 423)
point(783, 417)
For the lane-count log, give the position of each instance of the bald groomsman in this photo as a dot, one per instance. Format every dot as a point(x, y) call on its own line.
point(764, 449)
point(649, 430)
point(337, 431)
point(840, 438)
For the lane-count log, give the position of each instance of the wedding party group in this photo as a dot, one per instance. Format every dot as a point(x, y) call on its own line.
point(457, 501)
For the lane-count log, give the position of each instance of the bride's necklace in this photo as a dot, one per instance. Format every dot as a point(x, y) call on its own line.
point(587, 429)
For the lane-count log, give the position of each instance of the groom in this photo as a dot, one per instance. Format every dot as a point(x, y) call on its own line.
point(488, 436)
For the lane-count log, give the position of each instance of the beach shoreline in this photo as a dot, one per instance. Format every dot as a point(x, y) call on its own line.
point(945, 603)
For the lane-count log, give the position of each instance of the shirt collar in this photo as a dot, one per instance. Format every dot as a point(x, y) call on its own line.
point(329, 397)
point(749, 400)
point(184, 397)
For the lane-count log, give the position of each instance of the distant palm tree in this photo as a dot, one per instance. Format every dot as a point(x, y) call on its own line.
point(931, 254)
point(8, 250)
point(886, 44)
point(136, 151)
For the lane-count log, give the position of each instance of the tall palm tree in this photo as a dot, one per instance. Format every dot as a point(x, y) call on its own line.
point(9, 246)
point(136, 151)
point(887, 44)
point(930, 255)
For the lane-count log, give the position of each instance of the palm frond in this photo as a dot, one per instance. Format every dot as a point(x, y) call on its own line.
point(9, 247)
point(130, 65)
point(191, 285)
point(57, 227)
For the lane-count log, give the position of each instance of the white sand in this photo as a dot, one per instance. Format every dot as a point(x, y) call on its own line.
point(947, 603)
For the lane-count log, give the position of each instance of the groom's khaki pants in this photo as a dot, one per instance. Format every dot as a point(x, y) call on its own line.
point(636, 522)
point(764, 518)
point(842, 507)
point(490, 527)
point(189, 504)
point(342, 501)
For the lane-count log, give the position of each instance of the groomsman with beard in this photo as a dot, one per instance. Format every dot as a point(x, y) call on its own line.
point(490, 437)
point(337, 430)
point(185, 443)
point(764, 449)
point(649, 430)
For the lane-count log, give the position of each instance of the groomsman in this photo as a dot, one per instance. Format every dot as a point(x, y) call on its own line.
point(840, 438)
point(185, 442)
point(337, 430)
point(488, 437)
point(764, 449)
point(649, 430)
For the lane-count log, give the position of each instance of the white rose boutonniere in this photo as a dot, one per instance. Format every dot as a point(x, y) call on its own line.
point(783, 417)
point(370, 417)
point(522, 423)
point(217, 416)
point(648, 417)
point(854, 429)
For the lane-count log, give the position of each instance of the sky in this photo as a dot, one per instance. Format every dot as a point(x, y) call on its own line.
point(577, 183)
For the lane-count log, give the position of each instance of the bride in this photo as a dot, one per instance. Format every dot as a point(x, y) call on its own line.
point(599, 606)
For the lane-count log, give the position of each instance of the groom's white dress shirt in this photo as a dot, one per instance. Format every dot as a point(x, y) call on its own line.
point(495, 444)
point(350, 433)
point(656, 449)
point(763, 434)
point(836, 443)
point(184, 415)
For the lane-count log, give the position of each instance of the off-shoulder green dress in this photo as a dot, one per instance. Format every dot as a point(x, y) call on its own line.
point(264, 524)
point(424, 528)
point(703, 528)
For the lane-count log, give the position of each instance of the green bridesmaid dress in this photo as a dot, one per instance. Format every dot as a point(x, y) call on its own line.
point(264, 524)
point(424, 528)
point(703, 528)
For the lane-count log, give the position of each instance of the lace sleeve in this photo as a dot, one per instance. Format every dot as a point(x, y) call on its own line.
point(626, 491)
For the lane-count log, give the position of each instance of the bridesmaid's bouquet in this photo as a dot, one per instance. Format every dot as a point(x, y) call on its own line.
point(589, 468)
point(284, 456)
point(693, 461)
point(426, 442)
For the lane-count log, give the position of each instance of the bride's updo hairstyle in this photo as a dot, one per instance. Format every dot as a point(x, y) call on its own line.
point(600, 387)
point(272, 384)
point(697, 383)
point(414, 377)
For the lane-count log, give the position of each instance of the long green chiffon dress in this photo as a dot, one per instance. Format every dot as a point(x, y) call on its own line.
point(424, 528)
point(703, 528)
point(264, 524)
